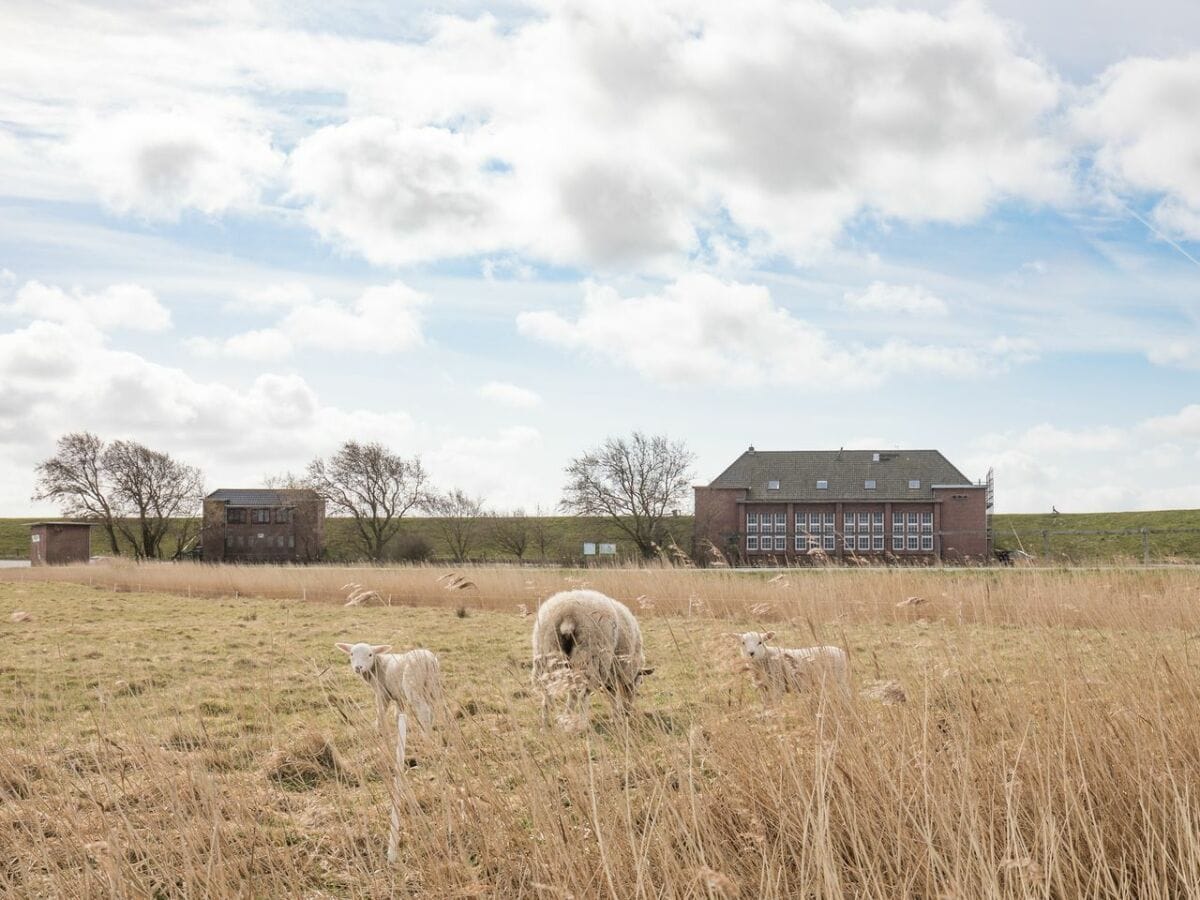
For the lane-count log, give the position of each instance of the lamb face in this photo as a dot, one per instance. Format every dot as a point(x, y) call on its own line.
point(754, 643)
point(363, 656)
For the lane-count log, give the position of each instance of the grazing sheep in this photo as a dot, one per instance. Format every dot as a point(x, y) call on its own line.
point(584, 640)
point(775, 668)
point(412, 680)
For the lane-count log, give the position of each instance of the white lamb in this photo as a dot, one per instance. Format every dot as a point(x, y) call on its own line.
point(584, 640)
point(807, 668)
point(412, 680)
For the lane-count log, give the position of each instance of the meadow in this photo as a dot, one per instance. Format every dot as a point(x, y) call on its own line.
point(180, 730)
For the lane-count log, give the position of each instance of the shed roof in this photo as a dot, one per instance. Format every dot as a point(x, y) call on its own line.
point(61, 524)
point(261, 496)
point(845, 471)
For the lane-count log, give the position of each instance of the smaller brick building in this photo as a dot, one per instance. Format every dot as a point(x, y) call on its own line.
point(774, 507)
point(262, 525)
point(59, 543)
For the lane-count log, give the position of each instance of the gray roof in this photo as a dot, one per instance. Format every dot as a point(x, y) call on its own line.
point(258, 496)
point(846, 471)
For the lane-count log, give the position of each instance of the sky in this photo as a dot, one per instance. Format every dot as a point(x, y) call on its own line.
point(494, 235)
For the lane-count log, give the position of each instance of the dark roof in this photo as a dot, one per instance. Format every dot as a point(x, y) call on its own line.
point(798, 471)
point(76, 524)
point(259, 496)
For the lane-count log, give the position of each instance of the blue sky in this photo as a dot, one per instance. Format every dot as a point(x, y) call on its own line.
point(493, 235)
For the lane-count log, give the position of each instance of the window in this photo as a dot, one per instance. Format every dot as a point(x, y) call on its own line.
point(279, 542)
point(830, 542)
point(291, 542)
point(229, 541)
point(877, 523)
point(913, 542)
point(864, 542)
point(262, 517)
point(235, 516)
point(822, 484)
point(927, 523)
point(898, 531)
point(877, 542)
point(913, 521)
point(897, 541)
point(869, 484)
point(283, 516)
point(927, 542)
point(752, 542)
point(752, 523)
point(780, 542)
point(773, 485)
point(914, 484)
point(781, 524)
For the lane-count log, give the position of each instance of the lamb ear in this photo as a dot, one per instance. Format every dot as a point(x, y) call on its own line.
point(345, 648)
point(645, 672)
point(381, 648)
point(768, 636)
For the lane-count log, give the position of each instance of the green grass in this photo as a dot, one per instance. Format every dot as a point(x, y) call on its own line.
point(568, 533)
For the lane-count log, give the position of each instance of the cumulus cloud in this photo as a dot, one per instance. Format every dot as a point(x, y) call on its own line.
point(1141, 118)
point(158, 164)
point(125, 306)
point(510, 394)
point(382, 319)
point(702, 330)
point(782, 121)
point(880, 297)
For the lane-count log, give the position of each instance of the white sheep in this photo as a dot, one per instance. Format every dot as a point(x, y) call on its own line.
point(583, 640)
point(805, 668)
point(412, 680)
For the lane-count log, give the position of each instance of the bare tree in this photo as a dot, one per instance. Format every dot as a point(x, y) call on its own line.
point(286, 481)
point(372, 485)
point(148, 490)
point(633, 482)
point(74, 477)
point(541, 529)
point(458, 516)
point(511, 533)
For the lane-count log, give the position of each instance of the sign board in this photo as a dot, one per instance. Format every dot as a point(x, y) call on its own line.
point(36, 538)
point(589, 549)
point(608, 549)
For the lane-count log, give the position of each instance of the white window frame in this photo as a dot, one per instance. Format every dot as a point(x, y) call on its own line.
point(751, 523)
point(830, 542)
point(864, 542)
point(773, 484)
point(927, 543)
point(781, 523)
point(897, 540)
point(869, 484)
point(927, 523)
point(877, 542)
point(822, 484)
point(877, 523)
point(914, 484)
point(914, 542)
point(781, 543)
point(752, 543)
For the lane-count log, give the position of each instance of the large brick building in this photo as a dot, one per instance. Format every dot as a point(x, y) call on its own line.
point(263, 526)
point(895, 505)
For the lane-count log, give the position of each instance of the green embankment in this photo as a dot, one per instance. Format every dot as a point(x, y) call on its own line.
point(1179, 537)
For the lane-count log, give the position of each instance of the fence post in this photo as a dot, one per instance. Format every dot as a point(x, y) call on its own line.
point(1145, 546)
point(397, 792)
point(1045, 544)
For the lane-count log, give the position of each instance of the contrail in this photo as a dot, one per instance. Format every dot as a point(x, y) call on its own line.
point(1195, 261)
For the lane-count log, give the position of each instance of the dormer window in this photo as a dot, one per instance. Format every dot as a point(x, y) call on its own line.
point(773, 485)
point(869, 484)
point(914, 484)
point(822, 484)
point(874, 457)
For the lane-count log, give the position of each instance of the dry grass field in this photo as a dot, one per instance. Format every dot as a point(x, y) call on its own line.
point(190, 731)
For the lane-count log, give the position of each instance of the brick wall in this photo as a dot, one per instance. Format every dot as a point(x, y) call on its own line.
point(963, 522)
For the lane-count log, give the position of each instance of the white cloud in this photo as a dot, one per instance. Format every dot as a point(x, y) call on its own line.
point(1142, 118)
point(702, 330)
point(127, 306)
point(510, 394)
point(382, 319)
point(157, 164)
point(886, 298)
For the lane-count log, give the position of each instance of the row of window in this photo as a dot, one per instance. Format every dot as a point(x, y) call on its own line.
point(821, 522)
point(870, 543)
point(236, 515)
point(914, 484)
point(242, 541)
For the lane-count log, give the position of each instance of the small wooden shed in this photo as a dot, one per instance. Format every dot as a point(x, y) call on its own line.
point(59, 543)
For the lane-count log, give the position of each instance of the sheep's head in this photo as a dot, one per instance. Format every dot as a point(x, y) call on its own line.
point(754, 643)
point(362, 656)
